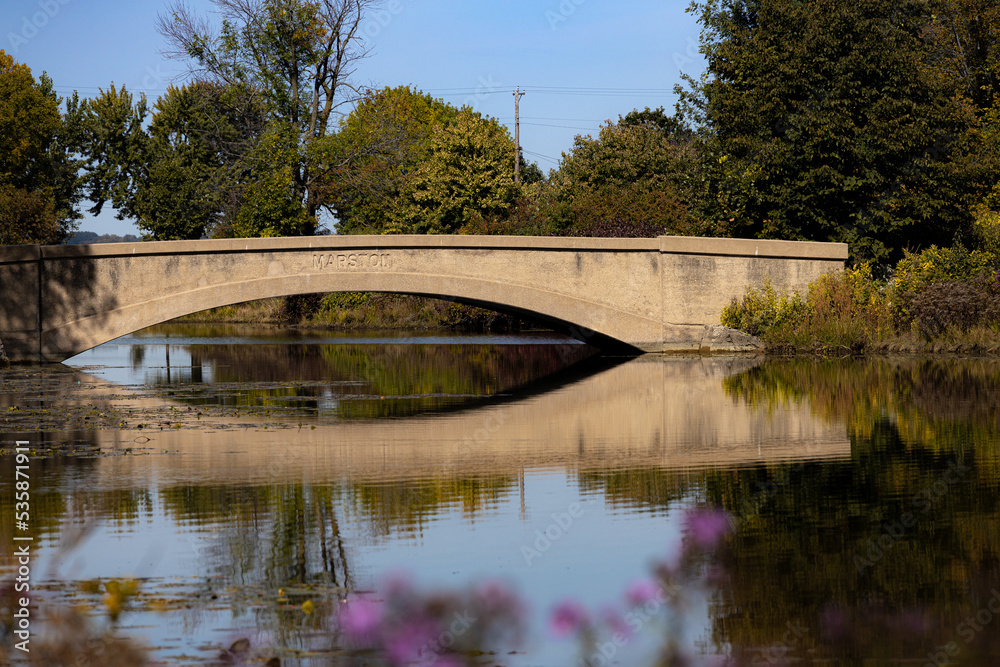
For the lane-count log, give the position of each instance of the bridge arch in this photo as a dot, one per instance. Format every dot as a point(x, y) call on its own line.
point(646, 294)
point(587, 321)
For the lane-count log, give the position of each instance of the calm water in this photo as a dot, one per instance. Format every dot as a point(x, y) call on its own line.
point(238, 474)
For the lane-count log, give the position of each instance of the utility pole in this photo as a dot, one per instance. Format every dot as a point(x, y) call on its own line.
point(517, 135)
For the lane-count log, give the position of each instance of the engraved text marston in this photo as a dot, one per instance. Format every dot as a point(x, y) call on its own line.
point(353, 261)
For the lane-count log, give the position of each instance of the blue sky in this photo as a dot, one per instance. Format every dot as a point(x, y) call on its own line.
point(581, 62)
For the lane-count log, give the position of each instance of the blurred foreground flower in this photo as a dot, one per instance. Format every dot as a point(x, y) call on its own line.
point(707, 527)
point(442, 628)
point(568, 618)
point(661, 602)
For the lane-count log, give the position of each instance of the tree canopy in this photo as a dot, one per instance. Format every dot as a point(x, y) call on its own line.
point(299, 56)
point(384, 138)
point(38, 189)
point(836, 121)
point(638, 171)
point(420, 166)
point(179, 170)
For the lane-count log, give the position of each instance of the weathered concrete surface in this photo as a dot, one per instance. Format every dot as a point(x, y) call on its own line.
point(651, 294)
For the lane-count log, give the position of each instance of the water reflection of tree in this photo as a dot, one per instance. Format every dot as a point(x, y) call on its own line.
point(290, 533)
point(405, 506)
point(289, 536)
point(61, 471)
point(372, 381)
point(281, 535)
point(649, 489)
point(820, 544)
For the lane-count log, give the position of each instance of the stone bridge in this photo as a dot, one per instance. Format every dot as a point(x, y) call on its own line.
point(653, 295)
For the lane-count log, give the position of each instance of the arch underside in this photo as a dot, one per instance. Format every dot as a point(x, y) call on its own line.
point(593, 323)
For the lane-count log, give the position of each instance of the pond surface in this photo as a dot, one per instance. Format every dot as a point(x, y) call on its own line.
point(238, 474)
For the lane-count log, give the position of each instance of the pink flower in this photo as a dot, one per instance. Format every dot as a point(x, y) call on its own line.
point(360, 620)
point(707, 527)
point(495, 597)
point(615, 621)
point(642, 591)
point(411, 641)
point(568, 618)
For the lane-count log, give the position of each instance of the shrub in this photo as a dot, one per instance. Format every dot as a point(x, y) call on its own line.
point(472, 318)
point(848, 309)
point(617, 228)
point(337, 300)
point(297, 307)
point(939, 291)
point(958, 304)
point(762, 310)
point(851, 307)
point(917, 272)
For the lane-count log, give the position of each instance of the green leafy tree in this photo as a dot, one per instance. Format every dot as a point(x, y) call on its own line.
point(420, 166)
point(673, 127)
point(38, 184)
point(966, 37)
point(640, 171)
point(468, 173)
point(194, 172)
point(181, 177)
point(376, 149)
point(113, 142)
point(822, 122)
point(269, 205)
point(299, 55)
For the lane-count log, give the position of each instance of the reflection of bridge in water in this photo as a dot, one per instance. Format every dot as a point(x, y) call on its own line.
point(648, 294)
point(651, 411)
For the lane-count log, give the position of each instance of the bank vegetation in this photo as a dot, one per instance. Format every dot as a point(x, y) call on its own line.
point(941, 300)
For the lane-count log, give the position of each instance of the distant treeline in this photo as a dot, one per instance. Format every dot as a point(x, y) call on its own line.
point(81, 238)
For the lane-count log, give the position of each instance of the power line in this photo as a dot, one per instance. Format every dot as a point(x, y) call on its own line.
point(463, 91)
point(567, 127)
point(575, 120)
point(557, 90)
point(539, 155)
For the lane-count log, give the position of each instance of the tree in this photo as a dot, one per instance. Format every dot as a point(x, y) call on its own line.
point(673, 127)
point(299, 54)
point(376, 148)
point(965, 35)
point(195, 169)
point(638, 171)
point(38, 185)
point(469, 172)
point(418, 165)
point(822, 123)
point(113, 143)
point(268, 202)
point(182, 177)
point(966, 39)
